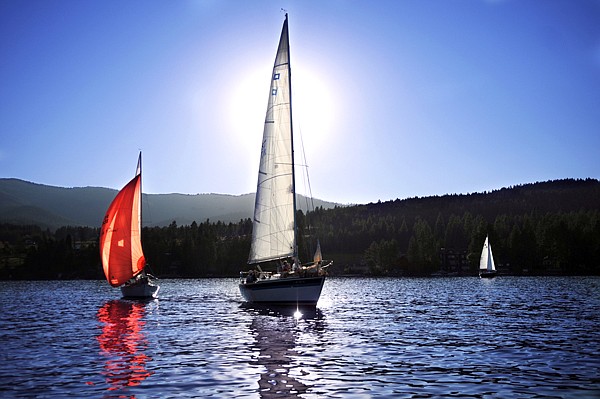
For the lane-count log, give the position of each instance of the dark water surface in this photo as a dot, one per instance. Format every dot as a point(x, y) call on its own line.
point(454, 337)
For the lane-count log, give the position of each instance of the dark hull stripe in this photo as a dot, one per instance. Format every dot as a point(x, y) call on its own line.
point(281, 303)
point(284, 283)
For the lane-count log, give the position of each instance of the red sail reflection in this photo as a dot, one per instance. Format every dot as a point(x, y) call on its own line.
point(123, 342)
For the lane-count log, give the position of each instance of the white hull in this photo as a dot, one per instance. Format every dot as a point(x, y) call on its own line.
point(292, 290)
point(140, 290)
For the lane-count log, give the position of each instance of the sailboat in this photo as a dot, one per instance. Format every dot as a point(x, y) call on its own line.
point(274, 229)
point(121, 251)
point(487, 268)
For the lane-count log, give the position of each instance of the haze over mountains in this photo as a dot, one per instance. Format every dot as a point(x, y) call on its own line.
point(23, 202)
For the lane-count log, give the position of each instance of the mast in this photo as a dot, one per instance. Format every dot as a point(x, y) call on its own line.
point(138, 172)
point(287, 38)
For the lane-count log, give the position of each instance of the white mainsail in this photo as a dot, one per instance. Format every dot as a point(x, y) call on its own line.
point(486, 262)
point(273, 232)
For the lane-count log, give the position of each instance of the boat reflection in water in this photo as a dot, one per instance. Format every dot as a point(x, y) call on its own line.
point(276, 330)
point(123, 342)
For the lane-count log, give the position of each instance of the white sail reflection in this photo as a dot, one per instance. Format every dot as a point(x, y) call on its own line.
point(276, 330)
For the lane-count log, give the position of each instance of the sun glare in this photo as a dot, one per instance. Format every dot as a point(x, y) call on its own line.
point(313, 113)
point(248, 104)
point(313, 104)
point(297, 314)
point(314, 110)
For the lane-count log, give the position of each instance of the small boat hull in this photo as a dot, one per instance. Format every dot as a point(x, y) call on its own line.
point(142, 290)
point(486, 274)
point(284, 291)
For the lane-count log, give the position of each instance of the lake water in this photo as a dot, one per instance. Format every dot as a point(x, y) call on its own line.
point(408, 338)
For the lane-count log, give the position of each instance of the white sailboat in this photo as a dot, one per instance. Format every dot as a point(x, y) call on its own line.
point(274, 228)
point(487, 268)
point(121, 251)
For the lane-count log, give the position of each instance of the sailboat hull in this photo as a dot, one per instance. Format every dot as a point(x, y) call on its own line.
point(142, 290)
point(284, 291)
point(487, 274)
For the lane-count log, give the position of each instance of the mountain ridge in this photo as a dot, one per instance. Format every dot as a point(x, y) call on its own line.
point(28, 203)
point(23, 202)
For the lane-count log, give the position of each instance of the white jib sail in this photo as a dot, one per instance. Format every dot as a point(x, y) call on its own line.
point(273, 234)
point(486, 262)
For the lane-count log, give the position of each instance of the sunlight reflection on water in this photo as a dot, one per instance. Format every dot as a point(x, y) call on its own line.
point(464, 337)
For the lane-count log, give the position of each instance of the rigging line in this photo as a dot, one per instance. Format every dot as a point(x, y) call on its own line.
point(307, 182)
point(304, 166)
point(312, 205)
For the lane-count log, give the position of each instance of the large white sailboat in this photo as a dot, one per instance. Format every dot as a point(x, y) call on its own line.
point(487, 268)
point(274, 231)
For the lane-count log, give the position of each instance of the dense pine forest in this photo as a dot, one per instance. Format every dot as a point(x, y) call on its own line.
point(550, 228)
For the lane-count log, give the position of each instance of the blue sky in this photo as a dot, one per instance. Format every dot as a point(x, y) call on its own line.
point(393, 99)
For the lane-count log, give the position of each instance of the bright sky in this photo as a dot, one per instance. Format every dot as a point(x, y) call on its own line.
point(393, 99)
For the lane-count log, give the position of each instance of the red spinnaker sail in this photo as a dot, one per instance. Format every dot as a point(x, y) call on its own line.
point(120, 239)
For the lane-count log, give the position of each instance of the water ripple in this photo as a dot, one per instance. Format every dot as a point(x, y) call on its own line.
point(405, 338)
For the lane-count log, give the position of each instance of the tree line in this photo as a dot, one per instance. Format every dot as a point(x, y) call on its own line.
point(541, 228)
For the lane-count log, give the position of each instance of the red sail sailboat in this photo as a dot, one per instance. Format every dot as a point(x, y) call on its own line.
point(121, 251)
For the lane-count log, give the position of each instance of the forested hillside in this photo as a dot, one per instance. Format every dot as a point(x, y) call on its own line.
point(550, 227)
point(541, 228)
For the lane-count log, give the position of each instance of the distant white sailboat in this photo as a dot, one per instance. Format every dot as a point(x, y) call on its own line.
point(121, 251)
point(487, 268)
point(274, 231)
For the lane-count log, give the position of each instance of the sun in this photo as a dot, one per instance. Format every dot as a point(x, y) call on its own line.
point(313, 112)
